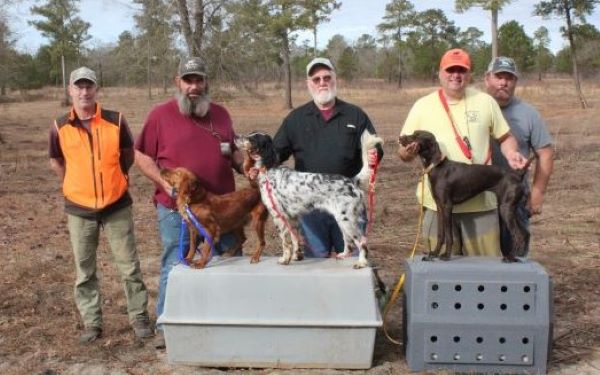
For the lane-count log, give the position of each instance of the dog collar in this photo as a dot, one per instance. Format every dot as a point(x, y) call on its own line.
point(433, 165)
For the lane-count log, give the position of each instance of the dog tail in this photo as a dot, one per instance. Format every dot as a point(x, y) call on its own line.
point(367, 141)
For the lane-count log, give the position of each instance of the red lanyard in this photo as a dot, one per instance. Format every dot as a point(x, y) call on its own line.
point(464, 147)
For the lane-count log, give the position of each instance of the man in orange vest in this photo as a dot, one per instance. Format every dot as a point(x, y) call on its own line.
point(91, 150)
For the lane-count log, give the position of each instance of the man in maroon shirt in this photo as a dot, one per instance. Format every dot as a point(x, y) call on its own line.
point(193, 132)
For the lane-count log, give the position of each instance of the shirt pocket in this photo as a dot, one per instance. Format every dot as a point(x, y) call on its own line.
point(348, 140)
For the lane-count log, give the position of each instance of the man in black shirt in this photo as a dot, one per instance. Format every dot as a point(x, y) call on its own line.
point(323, 136)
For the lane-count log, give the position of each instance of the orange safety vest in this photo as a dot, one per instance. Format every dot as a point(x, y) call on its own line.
point(93, 175)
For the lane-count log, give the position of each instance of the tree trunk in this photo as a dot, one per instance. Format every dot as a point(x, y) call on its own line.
point(315, 41)
point(199, 32)
point(149, 71)
point(582, 100)
point(399, 64)
point(494, 32)
point(66, 100)
point(287, 70)
point(191, 37)
point(165, 75)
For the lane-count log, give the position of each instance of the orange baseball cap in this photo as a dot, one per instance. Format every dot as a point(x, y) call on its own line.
point(455, 57)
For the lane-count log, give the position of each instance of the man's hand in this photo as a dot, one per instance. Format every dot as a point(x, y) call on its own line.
point(170, 190)
point(252, 174)
point(510, 150)
point(516, 160)
point(535, 202)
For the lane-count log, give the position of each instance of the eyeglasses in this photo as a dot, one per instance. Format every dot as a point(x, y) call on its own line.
point(456, 69)
point(325, 79)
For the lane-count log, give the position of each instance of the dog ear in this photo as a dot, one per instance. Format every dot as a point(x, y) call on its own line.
point(191, 189)
point(197, 191)
point(269, 155)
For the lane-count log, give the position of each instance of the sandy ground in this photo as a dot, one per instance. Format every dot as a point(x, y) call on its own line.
point(39, 324)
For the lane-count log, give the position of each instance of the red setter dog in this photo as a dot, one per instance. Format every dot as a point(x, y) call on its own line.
point(218, 214)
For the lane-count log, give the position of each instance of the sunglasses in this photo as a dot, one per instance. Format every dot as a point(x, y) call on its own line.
point(325, 79)
point(456, 69)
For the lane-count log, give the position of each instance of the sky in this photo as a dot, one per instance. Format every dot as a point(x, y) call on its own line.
point(109, 18)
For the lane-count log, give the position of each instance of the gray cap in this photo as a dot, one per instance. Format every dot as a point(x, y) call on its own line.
point(318, 61)
point(503, 64)
point(83, 73)
point(192, 65)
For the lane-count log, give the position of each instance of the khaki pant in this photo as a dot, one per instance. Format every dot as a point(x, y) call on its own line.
point(84, 235)
point(475, 233)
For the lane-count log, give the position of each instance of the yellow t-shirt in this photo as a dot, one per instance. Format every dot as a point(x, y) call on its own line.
point(476, 116)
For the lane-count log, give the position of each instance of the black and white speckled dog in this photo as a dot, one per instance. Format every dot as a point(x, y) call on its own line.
point(288, 194)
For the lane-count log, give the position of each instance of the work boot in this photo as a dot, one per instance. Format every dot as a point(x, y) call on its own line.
point(90, 334)
point(141, 328)
point(159, 340)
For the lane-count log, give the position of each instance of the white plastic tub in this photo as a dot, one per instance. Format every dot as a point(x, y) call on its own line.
point(316, 313)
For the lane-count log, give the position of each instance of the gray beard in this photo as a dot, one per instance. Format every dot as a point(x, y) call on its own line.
point(193, 107)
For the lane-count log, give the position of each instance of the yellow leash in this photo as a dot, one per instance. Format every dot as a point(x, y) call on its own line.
point(400, 282)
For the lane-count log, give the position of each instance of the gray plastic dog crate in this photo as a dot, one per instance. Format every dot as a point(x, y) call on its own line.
point(477, 314)
point(316, 313)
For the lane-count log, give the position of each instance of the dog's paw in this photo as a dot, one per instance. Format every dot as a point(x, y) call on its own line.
point(299, 255)
point(361, 263)
point(198, 264)
point(510, 260)
point(343, 255)
point(254, 259)
point(445, 256)
point(283, 261)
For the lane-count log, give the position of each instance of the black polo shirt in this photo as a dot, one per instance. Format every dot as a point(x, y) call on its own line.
point(324, 146)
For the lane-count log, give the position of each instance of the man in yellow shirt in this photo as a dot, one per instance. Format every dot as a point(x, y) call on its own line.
point(463, 120)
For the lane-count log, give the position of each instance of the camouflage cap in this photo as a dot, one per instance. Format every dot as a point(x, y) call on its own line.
point(192, 65)
point(503, 64)
point(83, 73)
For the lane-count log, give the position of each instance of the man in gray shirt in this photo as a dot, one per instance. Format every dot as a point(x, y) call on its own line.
point(531, 132)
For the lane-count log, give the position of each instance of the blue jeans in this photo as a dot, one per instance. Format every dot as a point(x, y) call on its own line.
point(522, 216)
point(322, 234)
point(169, 226)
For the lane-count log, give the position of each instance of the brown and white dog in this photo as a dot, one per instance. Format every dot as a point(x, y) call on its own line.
point(288, 194)
point(453, 182)
point(218, 214)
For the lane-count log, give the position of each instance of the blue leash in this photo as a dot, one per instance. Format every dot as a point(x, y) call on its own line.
point(202, 231)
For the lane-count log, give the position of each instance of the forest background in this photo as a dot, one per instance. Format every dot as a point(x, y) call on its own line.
point(248, 42)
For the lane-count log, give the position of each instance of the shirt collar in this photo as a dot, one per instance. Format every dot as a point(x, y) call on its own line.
point(338, 107)
point(73, 115)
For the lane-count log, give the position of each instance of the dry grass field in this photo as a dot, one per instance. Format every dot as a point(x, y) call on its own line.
point(38, 318)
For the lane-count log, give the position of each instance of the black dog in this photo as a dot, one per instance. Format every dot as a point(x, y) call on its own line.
point(453, 182)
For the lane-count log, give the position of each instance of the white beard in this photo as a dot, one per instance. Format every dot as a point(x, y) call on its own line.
point(324, 97)
point(197, 107)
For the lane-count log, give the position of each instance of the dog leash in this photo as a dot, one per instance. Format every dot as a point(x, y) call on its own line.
point(371, 193)
point(269, 188)
point(463, 143)
point(200, 228)
point(400, 282)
